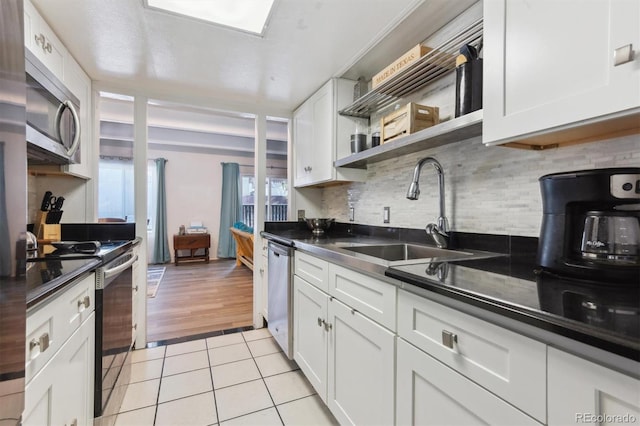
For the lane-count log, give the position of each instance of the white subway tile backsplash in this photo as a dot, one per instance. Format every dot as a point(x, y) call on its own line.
point(487, 189)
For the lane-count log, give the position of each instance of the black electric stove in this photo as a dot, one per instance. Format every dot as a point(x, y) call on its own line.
point(48, 271)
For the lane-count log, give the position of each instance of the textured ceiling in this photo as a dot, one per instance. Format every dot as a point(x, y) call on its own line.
point(122, 44)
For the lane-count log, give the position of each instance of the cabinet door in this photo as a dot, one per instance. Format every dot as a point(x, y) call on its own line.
point(75, 362)
point(430, 393)
point(42, 41)
point(80, 84)
point(581, 391)
point(310, 334)
point(303, 142)
point(361, 368)
point(135, 293)
point(537, 80)
point(323, 133)
point(63, 390)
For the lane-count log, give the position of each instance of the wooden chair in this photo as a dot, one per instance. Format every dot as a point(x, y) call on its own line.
point(244, 247)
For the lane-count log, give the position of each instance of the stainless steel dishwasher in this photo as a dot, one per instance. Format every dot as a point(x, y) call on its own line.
point(280, 303)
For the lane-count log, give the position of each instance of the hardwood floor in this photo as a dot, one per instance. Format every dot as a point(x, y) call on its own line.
point(198, 298)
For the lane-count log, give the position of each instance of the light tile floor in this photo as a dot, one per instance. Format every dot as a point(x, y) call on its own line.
point(233, 379)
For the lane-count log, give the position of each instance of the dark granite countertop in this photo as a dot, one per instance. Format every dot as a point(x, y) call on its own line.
point(605, 316)
point(46, 277)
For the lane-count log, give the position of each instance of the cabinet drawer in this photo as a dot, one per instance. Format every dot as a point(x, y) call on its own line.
point(51, 323)
point(508, 364)
point(374, 298)
point(313, 270)
point(430, 393)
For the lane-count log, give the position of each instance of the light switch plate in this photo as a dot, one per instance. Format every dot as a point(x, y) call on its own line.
point(386, 215)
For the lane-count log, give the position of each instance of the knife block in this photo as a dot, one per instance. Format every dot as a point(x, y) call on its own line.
point(47, 231)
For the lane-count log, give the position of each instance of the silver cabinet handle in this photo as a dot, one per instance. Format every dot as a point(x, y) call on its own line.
point(43, 342)
point(42, 42)
point(320, 322)
point(449, 339)
point(86, 302)
point(327, 326)
point(622, 55)
point(73, 423)
point(135, 288)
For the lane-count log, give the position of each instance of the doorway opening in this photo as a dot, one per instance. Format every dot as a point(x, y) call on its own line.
point(192, 298)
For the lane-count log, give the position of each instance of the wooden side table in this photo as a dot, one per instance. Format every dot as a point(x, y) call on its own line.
point(193, 243)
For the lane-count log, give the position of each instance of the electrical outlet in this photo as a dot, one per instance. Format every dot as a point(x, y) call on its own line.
point(352, 214)
point(386, 215)
point(301, 215)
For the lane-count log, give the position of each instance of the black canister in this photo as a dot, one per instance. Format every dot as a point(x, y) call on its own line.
point(375, 139)
point(468, 87)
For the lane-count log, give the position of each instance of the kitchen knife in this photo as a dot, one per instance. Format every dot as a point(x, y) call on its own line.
point(58, 204)
point(46, 201)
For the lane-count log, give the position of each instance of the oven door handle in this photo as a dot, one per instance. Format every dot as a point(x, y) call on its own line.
point(115, 271)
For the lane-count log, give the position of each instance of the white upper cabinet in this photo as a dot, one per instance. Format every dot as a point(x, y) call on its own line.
point(321, 136)
point(42, 41)
point(554, 68)
point(79, 83)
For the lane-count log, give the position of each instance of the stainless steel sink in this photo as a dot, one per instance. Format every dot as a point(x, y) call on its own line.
point(404, 252)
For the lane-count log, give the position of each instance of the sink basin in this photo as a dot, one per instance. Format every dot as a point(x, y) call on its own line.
point(402, 252)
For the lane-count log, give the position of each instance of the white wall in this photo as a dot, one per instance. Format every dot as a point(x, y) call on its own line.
point(73, 189)
point(194, 189)
point(492, 190)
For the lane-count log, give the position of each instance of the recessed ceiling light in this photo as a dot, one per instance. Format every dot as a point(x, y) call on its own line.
point(245, 15)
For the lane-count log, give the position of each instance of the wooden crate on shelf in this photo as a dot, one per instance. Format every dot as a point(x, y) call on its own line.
point(399, 64)
point(407, 120)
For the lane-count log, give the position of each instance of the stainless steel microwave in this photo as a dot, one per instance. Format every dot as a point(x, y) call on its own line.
point(53, 124)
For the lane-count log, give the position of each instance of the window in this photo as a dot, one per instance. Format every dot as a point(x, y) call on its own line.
point(116, 189)
point(277, 194)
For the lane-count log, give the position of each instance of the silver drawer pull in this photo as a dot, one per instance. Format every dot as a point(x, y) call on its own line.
point(135, 288)
point(327, 326)
point(86, 302)
point(449, 339)
point(320, 322)
point(42, 342)
point(622, 55)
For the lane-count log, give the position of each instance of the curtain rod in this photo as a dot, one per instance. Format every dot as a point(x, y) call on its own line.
point(268, 167)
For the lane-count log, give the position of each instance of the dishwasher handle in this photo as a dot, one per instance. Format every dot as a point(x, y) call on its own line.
point(280, 249)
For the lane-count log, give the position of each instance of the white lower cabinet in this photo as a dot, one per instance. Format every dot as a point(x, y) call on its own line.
point(347, 358)
point(360, 368)
point(583, 392)
point(505, 363)
point(430, 393)
point(442, 366)
point(310, 339)
point(62, 391)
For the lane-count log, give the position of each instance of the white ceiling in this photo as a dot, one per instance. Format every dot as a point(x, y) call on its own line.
point(121, 44)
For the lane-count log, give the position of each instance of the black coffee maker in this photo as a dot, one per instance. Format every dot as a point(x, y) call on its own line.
point(591, 225)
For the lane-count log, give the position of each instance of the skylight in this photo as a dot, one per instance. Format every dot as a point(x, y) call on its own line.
point(245, 15)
